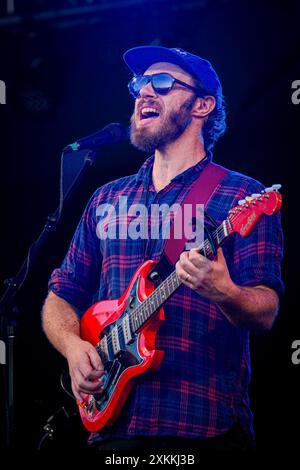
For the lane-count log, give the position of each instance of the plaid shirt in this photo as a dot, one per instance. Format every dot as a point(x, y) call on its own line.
point(201, 387)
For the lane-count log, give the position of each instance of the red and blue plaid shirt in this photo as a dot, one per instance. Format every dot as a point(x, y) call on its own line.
point(201, 388)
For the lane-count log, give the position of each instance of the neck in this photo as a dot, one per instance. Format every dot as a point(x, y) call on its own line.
point(175, 158)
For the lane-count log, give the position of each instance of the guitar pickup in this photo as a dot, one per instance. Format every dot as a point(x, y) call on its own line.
point(127, 330)
point(115, 340)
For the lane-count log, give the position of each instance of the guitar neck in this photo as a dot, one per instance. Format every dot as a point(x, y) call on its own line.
point(141, 314)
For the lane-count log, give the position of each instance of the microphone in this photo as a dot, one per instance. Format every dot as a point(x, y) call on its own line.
point(110, 134)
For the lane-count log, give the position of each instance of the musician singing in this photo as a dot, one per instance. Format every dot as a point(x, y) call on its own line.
point(198, 397)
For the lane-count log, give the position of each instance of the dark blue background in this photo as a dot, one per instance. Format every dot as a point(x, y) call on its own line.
point(66, 79)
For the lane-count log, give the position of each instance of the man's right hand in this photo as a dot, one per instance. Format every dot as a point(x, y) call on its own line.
point(85, 368)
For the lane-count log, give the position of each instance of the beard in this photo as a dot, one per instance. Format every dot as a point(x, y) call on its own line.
point(171, 129)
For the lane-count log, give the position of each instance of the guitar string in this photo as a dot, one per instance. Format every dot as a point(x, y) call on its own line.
point(168, 282)
point(206, 247)
point(139, 311)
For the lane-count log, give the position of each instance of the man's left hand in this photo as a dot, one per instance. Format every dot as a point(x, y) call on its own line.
point(210, 279)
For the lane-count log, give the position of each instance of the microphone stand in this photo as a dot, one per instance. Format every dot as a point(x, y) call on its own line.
point(9, 311)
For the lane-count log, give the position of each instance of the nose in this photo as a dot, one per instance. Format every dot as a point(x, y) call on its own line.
point(147, 91)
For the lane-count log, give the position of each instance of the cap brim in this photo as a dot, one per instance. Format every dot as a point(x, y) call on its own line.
point(140, 58)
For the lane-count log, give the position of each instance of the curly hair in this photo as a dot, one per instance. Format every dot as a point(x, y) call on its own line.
point(215, 125)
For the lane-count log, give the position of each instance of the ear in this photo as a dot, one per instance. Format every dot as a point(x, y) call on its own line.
point(203, 106)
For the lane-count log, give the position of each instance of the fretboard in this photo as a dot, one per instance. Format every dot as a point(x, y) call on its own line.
point(156, 299)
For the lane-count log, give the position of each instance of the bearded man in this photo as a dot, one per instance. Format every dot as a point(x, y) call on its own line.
point(198, 398)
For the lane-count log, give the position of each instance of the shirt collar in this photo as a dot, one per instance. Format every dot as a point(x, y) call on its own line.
point(144, 174)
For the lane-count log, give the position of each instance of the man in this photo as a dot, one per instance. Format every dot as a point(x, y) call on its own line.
point(199, 395)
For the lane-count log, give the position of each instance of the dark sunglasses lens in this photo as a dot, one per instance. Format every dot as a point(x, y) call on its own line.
point(136, 84)
point(162, 83)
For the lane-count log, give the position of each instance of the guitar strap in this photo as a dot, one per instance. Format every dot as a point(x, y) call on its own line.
point(200, 192)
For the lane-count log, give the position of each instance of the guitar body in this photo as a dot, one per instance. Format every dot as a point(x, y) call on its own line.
point(124, 330)
point(135, 358)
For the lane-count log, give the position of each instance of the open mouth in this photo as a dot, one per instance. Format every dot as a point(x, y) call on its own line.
point(148, 113)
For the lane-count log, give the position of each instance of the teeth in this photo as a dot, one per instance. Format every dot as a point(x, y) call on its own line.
point(149, 110)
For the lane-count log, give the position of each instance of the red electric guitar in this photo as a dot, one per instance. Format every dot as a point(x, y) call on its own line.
point(124, 330)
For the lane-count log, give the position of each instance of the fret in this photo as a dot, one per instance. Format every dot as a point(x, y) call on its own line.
point(163, 294)
point(207, 248)
point(142, 312)
point(173, 283)
point(132, 321)
point(137, 315)
point(135, 319)
point(145, 309)
point(154, 304)
point(151, 304)
point(167, 287)
point(158, 297)
point(157, 300)
point(162, 291)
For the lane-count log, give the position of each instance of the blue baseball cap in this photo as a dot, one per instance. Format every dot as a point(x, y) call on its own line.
point(138, 59)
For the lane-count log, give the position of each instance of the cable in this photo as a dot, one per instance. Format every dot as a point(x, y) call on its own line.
point(62, 376)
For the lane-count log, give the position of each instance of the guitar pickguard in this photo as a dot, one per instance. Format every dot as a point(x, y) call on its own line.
point(128, 356)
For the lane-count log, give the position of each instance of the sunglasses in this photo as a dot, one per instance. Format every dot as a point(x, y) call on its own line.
point(161, 83)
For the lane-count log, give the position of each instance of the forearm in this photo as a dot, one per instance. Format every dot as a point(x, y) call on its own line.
point(60, 322)
point(62, 327)
point(254, 308)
